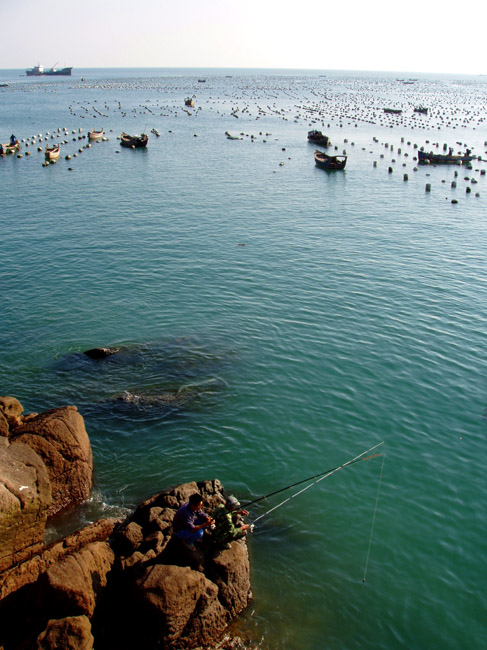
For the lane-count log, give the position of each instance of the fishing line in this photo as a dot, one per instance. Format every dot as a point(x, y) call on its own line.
point(358, 459)
point(373, 518)
point(321, 478)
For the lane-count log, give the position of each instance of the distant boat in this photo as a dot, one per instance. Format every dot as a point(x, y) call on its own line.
point(52, 153)
point(421, 109)
point(443, 158)
point(324, 161)
point(317, 137)
point(202, 81)
point(96, 135)
point(188, 102)
point(155, 132)
point(395, 111)
point(134, 141)
point(38, 71)
point(3, 85)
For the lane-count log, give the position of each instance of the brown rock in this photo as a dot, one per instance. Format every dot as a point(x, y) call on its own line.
point(4, 428)
point(71, 633)
point(128, 540)
point(59, 437)
point(178, 603)
point(101, 353)
point(25, 498)
point(27, 572)
point(231, 573)
point(71, 585)
point(12, 409)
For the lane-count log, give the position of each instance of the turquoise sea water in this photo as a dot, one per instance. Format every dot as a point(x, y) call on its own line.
point(299, 317)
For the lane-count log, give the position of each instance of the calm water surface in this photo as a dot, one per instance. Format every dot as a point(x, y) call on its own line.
point(298, 318)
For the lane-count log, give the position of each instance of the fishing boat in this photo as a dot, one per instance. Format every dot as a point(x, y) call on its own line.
point(394, 111)
point(96, 135)
point(188, 102)
point(421, 109)
point(445, 159)
point(134, 141)
point(9, 147)
point(52, 153)
point(324, 161)
point(38, 71)
point(317, 137)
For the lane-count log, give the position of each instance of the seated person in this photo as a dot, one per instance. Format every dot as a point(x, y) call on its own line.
point(228, 525)
point(190, 521)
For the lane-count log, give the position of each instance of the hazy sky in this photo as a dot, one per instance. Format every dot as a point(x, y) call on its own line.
point(414, 35)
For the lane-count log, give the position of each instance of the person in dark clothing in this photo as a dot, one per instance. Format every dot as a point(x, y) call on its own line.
point(228, 523)
point(190, 521)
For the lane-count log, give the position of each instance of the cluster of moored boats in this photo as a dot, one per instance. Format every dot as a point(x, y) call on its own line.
point(338, 162)
point(323, 160)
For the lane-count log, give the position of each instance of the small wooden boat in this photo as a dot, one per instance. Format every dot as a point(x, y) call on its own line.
point(155, 132)
point(324, 161)
point(317, 137)
point(52, 153)
point(188, 102)
point(445, 159)
point(96, 135)
point(134, 141)
point(9, 147)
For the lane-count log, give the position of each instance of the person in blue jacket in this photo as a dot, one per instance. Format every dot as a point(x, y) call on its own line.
point(190, 521)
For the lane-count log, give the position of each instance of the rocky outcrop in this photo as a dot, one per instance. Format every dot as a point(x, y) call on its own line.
point(59, 437)
point(82, 587)
point(25, 499)
point(186, 599)
point(75, 592)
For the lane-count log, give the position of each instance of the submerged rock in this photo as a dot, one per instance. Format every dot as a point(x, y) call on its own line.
point(101, 353)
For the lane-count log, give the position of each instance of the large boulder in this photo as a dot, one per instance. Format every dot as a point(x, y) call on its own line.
point(178, 604)
point(70, 633)
point(71, 585)
point(59, 437)
point(25, 499)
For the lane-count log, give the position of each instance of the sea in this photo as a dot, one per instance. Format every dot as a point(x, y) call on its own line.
point(275, 321)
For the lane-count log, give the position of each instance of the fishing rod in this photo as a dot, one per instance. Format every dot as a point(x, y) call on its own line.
point(319, 477)
point(357, 459)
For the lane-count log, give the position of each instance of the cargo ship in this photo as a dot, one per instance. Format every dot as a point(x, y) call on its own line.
point(38, 71)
